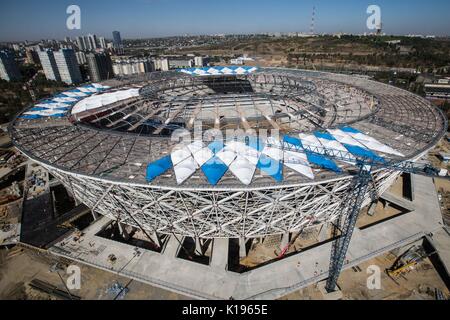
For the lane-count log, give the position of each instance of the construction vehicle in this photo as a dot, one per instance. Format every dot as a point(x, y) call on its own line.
point(407, 262)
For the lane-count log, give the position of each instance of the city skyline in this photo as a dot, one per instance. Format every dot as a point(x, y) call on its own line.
point(157, 18)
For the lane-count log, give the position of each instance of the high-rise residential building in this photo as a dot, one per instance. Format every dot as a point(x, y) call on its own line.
point(165, 65)
point(81, 43)
point(198, 61)
point(48, 63)
point(32, 56)
point(81, 58)
point(92, 42)
point(181, 63)
point(67, 66)
point(162, 64)
point(117, 42)
point(9, 70)
point(100, 66)
point(132, 66)
point(117, 39)
point(102, 42)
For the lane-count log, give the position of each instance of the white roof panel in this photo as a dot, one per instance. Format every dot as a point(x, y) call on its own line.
point(74, 94)
point(185, 169)
point(64, 99)
point(310, 140)
point(202, 156)
point(196, 146)
point(344, 138)
point(373, 144)
point(87, 90)
point(179, 155)
point(97, 101)
point(274, 142)
point(299, 163)
point(274, 153)
point(244, 151)
point(243, 169)
point(45, 113)
point(227, 156)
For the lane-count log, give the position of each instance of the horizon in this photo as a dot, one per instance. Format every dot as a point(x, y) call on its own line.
point(229, 34)
point(147, 19)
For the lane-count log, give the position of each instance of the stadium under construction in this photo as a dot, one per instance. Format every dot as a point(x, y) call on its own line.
point(200, 161)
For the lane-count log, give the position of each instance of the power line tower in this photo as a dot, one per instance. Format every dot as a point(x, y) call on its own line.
point(313, 21)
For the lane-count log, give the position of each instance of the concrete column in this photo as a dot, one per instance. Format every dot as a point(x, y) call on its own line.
point(219, 257)
point(284, 240)
point(198, 246)
point(242, 248)
point(172, 247)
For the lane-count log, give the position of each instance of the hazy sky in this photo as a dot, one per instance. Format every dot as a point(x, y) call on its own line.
point(37, 19)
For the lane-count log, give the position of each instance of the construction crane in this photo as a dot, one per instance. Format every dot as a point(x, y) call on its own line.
point(366, 164)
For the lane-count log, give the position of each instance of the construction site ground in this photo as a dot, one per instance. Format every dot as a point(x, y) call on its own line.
point(19, 266)
point(418, 284)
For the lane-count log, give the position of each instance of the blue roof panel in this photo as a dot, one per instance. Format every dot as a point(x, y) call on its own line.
point(39, 109)
point(255, 143)
point(216, 146)
point(270, 166)
point(294, 141)
point(323, 162)
point(350, 130)
point(158, 167)
point(214, 170)
point(30, 116)
point(363, 153)
point(324, 135)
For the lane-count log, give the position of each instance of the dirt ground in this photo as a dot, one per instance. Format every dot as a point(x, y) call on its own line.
point(18, 268)
point(418, 284)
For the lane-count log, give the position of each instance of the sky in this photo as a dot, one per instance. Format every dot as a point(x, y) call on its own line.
point(46, 19)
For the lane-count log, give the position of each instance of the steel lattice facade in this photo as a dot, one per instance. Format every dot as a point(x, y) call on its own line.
point(219, 213)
